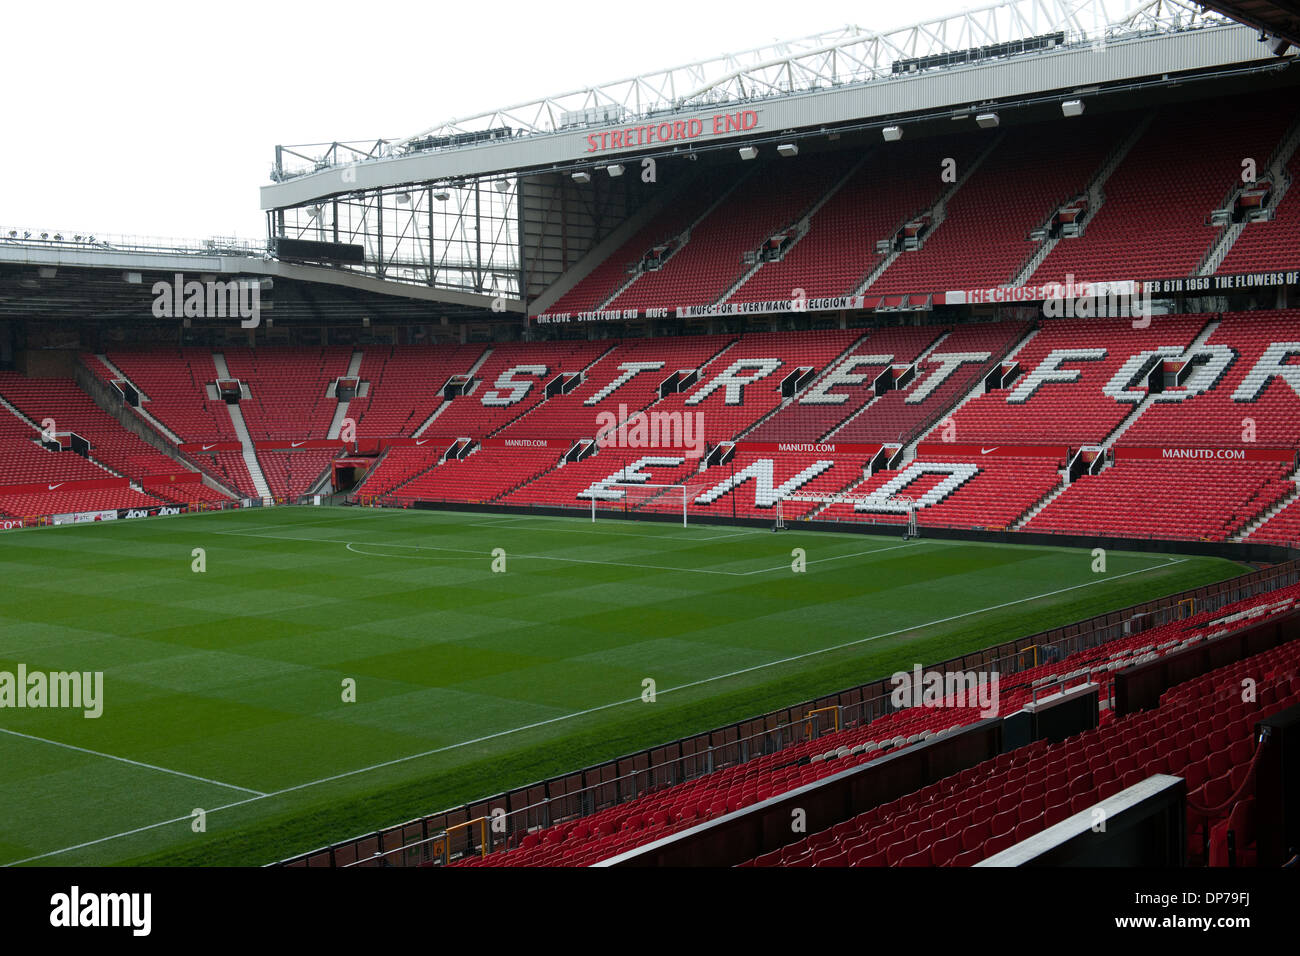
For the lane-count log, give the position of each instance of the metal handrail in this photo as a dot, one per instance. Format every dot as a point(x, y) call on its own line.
point(584, 801)
point(78, 240)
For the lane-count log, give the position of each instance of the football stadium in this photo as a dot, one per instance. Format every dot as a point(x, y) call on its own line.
point(872, 450)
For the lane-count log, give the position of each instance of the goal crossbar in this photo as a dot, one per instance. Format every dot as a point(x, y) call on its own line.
point(901, 504)
point(635, 494)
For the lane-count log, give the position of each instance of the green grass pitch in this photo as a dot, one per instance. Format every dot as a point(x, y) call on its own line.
point(223, 690)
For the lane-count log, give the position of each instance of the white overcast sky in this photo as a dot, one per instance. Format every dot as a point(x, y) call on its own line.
point(160, 119)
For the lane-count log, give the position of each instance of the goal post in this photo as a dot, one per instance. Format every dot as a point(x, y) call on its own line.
point(636, 496)
point(892, 504)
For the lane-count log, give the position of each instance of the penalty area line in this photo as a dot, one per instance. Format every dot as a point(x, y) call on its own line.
point(352, 546)
point(532, 557)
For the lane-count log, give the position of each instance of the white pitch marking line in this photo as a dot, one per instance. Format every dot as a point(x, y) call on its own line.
point(134, 763)
point(718, 537)
point(536, 557)
point(115, 836)
point(592, 710)
point(856, 554)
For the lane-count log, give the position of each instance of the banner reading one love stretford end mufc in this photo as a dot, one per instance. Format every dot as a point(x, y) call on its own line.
point(830, 304)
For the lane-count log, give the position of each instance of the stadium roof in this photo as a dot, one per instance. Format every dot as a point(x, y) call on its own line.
point(1281, 18)
point(440, 206)
point(847, 55)
point(820, 61)
point(49, 280)
point(1000, 53)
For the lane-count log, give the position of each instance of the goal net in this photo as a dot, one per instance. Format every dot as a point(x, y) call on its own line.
point(630, 497)
point(893, 504)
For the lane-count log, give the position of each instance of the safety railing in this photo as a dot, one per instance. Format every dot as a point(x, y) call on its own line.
point(512, 815)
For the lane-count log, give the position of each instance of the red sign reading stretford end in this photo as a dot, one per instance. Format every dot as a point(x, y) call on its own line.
point(672, 131)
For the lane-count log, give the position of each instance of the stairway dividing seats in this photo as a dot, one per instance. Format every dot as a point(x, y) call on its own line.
point(1255, 399)
point(816, 412)
point(1154, 222)
point(1060, 393)
point(1283, 528)
point(766, 201)
point(662, 229)
point(570, 416)
point(985, 238)
point(406, 386)
point(287, 389)
point(74, 411)
point(898, 180)
point(1263, 246)
point(899, 415)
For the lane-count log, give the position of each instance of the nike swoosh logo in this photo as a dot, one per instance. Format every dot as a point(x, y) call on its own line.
point(422, 441)
point(297, 444)
point(985, 451)
point(208, 447)
point(59, 485)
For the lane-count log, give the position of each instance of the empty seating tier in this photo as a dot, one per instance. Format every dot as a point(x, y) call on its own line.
point(984, 239)
point(764, 202)
point(624, 380)
point(900, 415)
point(1070, 773)
point(57, 502)
point(1269, 245)
point(1155, 223)
point(1202, 732)
point(74, 411)
point(661, 231)
point(480, 477)
point(1059, 395)
point(290, 474)
point(955, 491)
point(287, 389)
point(845, 387)
point(1245, 389)
point(835, 257)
